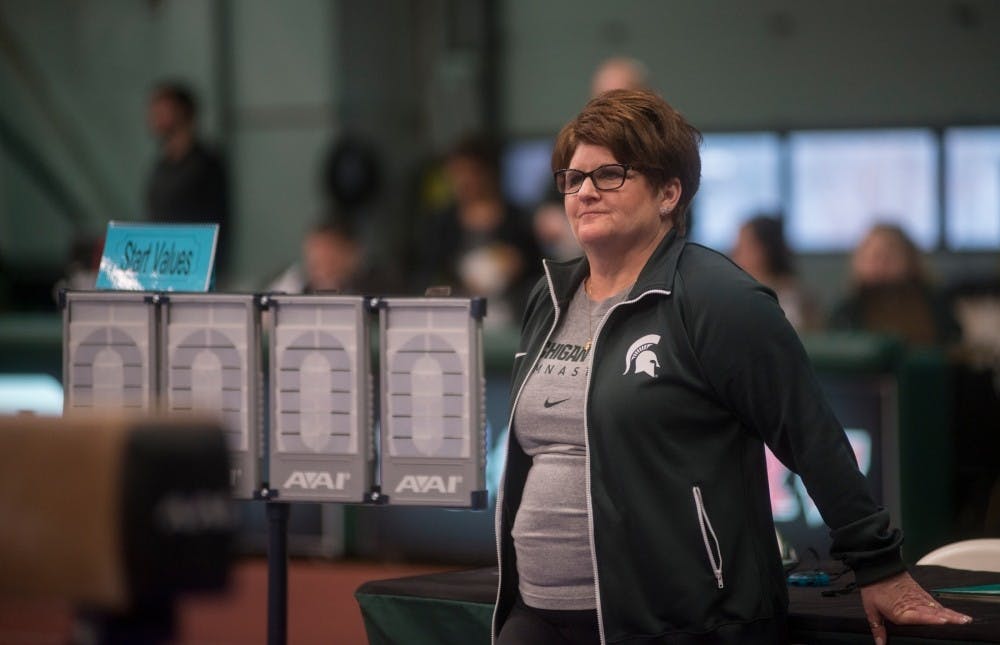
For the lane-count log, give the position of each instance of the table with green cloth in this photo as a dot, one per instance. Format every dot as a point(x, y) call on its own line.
point(457, 607)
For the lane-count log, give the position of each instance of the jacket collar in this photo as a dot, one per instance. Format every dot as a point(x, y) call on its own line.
point(658, 273)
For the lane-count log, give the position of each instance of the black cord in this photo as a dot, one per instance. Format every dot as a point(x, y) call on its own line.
point(850, 587)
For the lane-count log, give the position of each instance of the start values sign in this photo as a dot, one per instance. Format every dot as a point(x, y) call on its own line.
point(158, 257)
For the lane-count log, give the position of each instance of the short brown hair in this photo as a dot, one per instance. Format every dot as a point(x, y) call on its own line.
point(644, 131)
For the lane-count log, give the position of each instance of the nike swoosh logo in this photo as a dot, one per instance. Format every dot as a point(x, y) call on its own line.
point(549, 404)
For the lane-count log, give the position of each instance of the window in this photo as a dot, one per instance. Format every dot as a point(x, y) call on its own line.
point(842, 182)
point(739, 178)
point(972, 188)
point(831, 185)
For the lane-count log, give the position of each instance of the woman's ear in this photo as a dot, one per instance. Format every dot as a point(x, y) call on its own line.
point(670, 194)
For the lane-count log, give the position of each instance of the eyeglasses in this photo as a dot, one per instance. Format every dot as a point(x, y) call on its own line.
point(607, 177)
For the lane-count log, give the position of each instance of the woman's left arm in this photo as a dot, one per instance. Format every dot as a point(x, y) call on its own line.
point(756, 364)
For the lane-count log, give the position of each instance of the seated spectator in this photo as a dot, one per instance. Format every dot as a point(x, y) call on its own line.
point(977, 308)
point(891, 293)
point(333, 261)
point(479, 245)
point(83, 266)
point(762, 252)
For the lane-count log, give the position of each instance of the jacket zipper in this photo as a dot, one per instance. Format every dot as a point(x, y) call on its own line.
point(586, 439)
point(498, 514)
point(714, 554)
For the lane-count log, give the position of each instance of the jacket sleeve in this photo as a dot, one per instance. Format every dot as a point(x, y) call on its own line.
point(753, 360)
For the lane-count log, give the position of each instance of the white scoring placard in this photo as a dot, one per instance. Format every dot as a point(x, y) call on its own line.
point(211, 364)
point(320, 396)
point(109, 351)
point(432, 410)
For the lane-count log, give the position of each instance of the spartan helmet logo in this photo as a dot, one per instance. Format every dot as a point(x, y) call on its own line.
point(642, 356)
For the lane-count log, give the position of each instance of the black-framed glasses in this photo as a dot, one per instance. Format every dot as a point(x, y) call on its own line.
point(607, 177)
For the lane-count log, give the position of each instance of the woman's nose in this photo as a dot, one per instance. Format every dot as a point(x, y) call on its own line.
point(587, 189)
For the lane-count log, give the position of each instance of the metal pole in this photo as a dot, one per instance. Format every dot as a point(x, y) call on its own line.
point(277, 573)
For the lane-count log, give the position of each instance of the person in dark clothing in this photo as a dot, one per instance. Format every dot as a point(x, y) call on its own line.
point(188, 182)
point(634, 504)
point(479, 245)
point(891, 292)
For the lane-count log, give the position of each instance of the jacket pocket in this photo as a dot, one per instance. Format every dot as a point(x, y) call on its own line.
point(712, 548)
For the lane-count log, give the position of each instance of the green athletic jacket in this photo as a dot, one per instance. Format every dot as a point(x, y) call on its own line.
point(690, 376)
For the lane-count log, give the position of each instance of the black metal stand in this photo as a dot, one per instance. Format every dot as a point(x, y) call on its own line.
point(277, 573)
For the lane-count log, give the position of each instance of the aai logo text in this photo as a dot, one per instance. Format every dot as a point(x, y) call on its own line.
point(429, 484)
point(315, 480)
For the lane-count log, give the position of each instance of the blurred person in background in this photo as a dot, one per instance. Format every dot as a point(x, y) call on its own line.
point(552, 230)
point(618, 73)
point(634, 504)
point(480, 245)
point(188, 182)
point(333, 261)
point(762, 252)
point(351, 185)
point(83, 266)
point(891, 292)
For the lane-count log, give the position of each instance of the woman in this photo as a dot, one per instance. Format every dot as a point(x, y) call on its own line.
point(634, 505)
point(761, 251)
point(892, 293)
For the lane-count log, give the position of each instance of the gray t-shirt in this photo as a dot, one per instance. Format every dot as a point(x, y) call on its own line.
point(550, 533)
